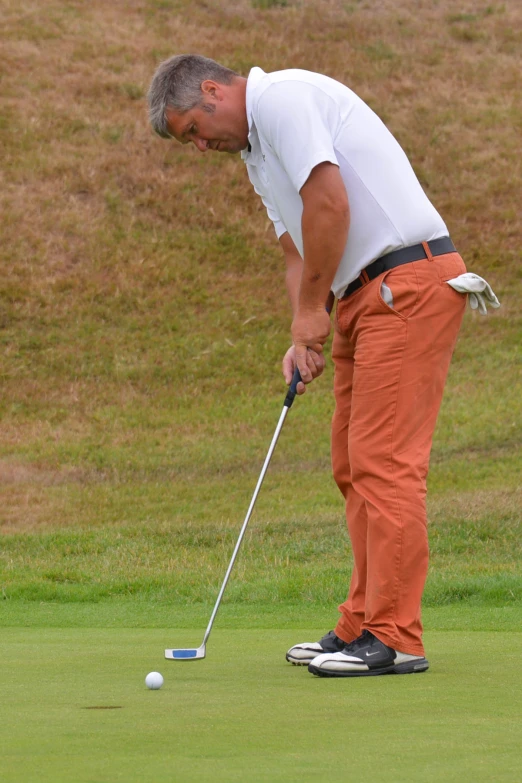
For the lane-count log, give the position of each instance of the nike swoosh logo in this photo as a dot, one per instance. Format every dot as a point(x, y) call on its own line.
point(368, 654)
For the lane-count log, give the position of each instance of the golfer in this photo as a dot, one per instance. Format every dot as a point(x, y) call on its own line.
point(354, 223)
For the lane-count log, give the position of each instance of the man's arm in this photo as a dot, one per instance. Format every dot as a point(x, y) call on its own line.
point(294, 269)
point(325, 224)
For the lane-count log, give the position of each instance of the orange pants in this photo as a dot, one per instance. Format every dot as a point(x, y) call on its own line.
point(390, 370)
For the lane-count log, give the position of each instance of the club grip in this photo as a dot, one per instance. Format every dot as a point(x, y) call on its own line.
point(290, 395)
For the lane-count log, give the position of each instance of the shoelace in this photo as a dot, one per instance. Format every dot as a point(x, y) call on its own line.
point(360, 639)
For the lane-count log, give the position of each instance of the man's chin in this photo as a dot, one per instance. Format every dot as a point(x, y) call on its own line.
point(232, 148)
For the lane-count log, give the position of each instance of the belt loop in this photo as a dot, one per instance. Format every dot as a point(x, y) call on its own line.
point(427, 250)
point(364, 277)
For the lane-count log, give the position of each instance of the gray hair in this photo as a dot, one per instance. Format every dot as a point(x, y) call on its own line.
point(177, 83)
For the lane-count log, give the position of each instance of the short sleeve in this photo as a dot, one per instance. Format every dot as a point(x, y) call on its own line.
point(298, 121)
point(272, 212)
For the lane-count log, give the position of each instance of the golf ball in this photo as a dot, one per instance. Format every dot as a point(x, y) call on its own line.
point(154, 681)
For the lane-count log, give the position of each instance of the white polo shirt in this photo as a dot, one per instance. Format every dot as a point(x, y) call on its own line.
point(298, 119)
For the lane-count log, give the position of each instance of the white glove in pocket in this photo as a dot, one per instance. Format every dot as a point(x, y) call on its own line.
point(481, 295)
point(387, 295)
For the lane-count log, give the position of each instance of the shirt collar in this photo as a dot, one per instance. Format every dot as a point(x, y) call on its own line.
point(254, 77)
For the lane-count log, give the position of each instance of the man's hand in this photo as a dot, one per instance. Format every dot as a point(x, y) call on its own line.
point(310, 330)
point(315, 363)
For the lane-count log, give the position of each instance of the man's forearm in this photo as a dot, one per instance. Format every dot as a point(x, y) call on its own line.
point(325, 223)
point(325, 232)
point(294, 271)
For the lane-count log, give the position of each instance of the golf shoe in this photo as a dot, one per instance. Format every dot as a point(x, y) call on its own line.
point(303, 654)
point(365, 656)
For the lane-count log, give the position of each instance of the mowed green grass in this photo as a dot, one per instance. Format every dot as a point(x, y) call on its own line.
point(75, 708)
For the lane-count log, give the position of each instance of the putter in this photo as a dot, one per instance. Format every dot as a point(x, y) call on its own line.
point(184, 654)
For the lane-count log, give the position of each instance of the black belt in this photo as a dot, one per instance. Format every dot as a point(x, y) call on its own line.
point(438, 247)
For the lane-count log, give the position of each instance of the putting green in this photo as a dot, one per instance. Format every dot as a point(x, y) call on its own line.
point(75, 708)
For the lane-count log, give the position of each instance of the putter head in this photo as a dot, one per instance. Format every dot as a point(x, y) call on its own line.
point(183, 654)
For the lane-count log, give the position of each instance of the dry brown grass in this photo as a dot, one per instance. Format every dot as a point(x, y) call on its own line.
point(78, 143)
point(110, 236)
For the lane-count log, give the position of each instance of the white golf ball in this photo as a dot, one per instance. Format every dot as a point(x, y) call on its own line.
point(154, 681)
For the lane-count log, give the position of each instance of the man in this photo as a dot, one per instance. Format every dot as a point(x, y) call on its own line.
point(354, 223)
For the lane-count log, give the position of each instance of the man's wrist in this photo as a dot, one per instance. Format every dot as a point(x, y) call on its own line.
point(314, 305)
point(315, 289)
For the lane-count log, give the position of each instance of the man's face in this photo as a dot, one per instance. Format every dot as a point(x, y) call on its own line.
point(222, 126)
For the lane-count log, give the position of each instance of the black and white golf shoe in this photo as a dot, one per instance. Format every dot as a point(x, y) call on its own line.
point(363, 657)
point(303, 654)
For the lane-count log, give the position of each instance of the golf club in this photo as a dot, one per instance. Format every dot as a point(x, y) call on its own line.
point(183, 654)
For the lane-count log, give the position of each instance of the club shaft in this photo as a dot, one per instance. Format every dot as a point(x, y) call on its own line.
point(245, 523)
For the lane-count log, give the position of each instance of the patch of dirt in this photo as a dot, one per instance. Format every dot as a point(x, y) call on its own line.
point(18, 473)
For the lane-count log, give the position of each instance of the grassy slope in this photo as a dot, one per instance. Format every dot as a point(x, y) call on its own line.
point(143, 312)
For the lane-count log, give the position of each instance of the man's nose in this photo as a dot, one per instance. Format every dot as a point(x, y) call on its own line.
point(201, 144)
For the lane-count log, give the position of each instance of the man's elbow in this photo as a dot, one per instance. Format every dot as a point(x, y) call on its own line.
point(334, 207)
point(342, 208)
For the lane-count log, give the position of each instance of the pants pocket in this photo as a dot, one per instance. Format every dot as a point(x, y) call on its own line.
point(398, 291)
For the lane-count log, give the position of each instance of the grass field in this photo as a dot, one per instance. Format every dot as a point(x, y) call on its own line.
point(143, 318)
point(224, 719)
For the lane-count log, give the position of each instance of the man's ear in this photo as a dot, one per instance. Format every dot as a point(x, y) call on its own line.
point(212, 89)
